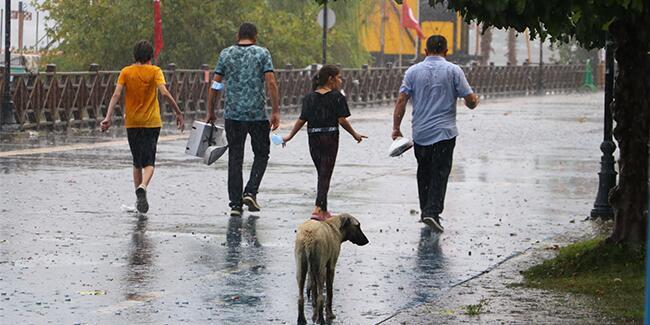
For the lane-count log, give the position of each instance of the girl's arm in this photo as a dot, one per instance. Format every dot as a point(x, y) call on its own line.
point(348, 127)
point(296, 127)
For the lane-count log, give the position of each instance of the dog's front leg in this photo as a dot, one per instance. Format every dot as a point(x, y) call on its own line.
point(330, 293)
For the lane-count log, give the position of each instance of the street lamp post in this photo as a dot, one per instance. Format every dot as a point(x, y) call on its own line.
point(647, 247)
point(7, 104)
point(607, 174)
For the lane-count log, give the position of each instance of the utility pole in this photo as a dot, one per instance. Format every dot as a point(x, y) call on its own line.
point(7, 114)
point(540, 77)
point(382, 35)
point(36, 45)
point(2, 17)
point(527, 37)
point(478, 40)
point(21, 17)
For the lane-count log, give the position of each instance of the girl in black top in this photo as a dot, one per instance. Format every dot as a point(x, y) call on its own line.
point(323, 110)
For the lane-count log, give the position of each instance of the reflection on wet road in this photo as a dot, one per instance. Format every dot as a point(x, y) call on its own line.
point(524, 170)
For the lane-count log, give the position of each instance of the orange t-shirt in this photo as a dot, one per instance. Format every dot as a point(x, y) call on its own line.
point(141, 97)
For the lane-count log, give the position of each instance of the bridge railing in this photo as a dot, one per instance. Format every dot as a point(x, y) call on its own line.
point(80, 99)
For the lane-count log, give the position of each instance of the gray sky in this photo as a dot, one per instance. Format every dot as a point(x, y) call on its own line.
point(29, 27)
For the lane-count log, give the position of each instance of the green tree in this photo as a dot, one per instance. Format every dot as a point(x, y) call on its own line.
point(588, 21)
point(195, 31)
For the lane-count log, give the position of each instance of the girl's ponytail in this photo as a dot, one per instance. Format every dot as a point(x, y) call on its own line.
point(323, 75)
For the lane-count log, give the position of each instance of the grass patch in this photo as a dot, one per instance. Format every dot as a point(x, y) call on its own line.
point(613, 274)
point(476, 309)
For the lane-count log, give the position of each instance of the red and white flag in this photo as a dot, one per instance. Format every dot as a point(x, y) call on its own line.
point(409, 20)
point(157, 30)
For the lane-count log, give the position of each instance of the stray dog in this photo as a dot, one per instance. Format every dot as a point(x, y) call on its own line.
point(318, 244)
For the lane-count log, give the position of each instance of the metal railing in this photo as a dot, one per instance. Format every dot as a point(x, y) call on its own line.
point(80, 99)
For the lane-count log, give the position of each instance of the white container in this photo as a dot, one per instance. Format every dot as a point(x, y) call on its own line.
point(200, 140)
point(399, 146)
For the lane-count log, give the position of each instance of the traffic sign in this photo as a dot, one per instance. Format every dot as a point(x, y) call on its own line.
point(331, 18)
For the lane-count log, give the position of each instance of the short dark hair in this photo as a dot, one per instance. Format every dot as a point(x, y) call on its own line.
point(436, 44)
point(247, 31)
point(143, 51)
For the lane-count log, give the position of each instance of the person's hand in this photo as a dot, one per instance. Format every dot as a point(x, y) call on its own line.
point(285, 139)
point(396, 134)
point(180, 122)
point(359, 137)
point(210, 117)
point(105, 124)
point(275, 121)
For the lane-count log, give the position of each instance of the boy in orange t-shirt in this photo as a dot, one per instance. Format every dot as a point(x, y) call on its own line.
point(141, 82)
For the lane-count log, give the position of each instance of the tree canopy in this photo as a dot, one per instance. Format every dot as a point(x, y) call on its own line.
point(588, 21)
point(195, 31)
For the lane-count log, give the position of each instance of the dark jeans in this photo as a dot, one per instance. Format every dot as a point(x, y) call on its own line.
point(434, 166)
point(236, 132)
point(323, 148)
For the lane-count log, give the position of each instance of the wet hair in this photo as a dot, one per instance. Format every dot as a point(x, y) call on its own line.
point(323, 75)
point(247, 31)
point(142, 51)
point(436, 44)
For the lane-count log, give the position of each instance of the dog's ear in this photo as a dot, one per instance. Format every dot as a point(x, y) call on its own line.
point(345, 221)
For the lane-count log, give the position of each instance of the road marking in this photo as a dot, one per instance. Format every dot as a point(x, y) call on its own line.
point(80, 146)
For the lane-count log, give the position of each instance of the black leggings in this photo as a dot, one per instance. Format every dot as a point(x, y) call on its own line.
point(323, 148)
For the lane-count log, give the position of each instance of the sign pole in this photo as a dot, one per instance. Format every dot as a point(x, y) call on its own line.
point(324, 32)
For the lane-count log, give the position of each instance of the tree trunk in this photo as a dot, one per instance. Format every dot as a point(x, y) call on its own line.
point(486, 46)
point(631, 111)
point(512, 46)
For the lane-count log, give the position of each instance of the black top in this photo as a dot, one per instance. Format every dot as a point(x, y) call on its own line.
point(324, 110)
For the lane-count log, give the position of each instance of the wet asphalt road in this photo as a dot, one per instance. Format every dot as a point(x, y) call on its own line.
point(524, 170)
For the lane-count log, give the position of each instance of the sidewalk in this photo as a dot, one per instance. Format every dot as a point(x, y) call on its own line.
point(503, 299)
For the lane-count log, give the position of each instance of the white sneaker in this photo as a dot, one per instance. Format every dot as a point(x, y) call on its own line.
point(141, 203)
point(434, 223)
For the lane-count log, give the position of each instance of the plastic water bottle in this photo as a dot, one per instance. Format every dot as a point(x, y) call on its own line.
point(276, 139)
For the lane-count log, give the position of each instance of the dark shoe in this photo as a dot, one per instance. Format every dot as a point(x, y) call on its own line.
point(433, 223)
point(141, 203)
point(236, 211)
point(251, 202)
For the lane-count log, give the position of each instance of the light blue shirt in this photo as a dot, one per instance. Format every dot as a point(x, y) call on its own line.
point(434, 86)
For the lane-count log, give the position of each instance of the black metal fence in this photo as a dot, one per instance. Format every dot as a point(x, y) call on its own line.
point(78, 99)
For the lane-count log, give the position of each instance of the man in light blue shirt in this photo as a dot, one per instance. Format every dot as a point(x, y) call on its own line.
point(434, 86)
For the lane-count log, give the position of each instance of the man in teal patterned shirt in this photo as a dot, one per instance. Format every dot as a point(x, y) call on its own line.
point(244, 68)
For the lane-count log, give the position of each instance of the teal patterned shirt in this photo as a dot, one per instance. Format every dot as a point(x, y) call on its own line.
point(243, 68)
